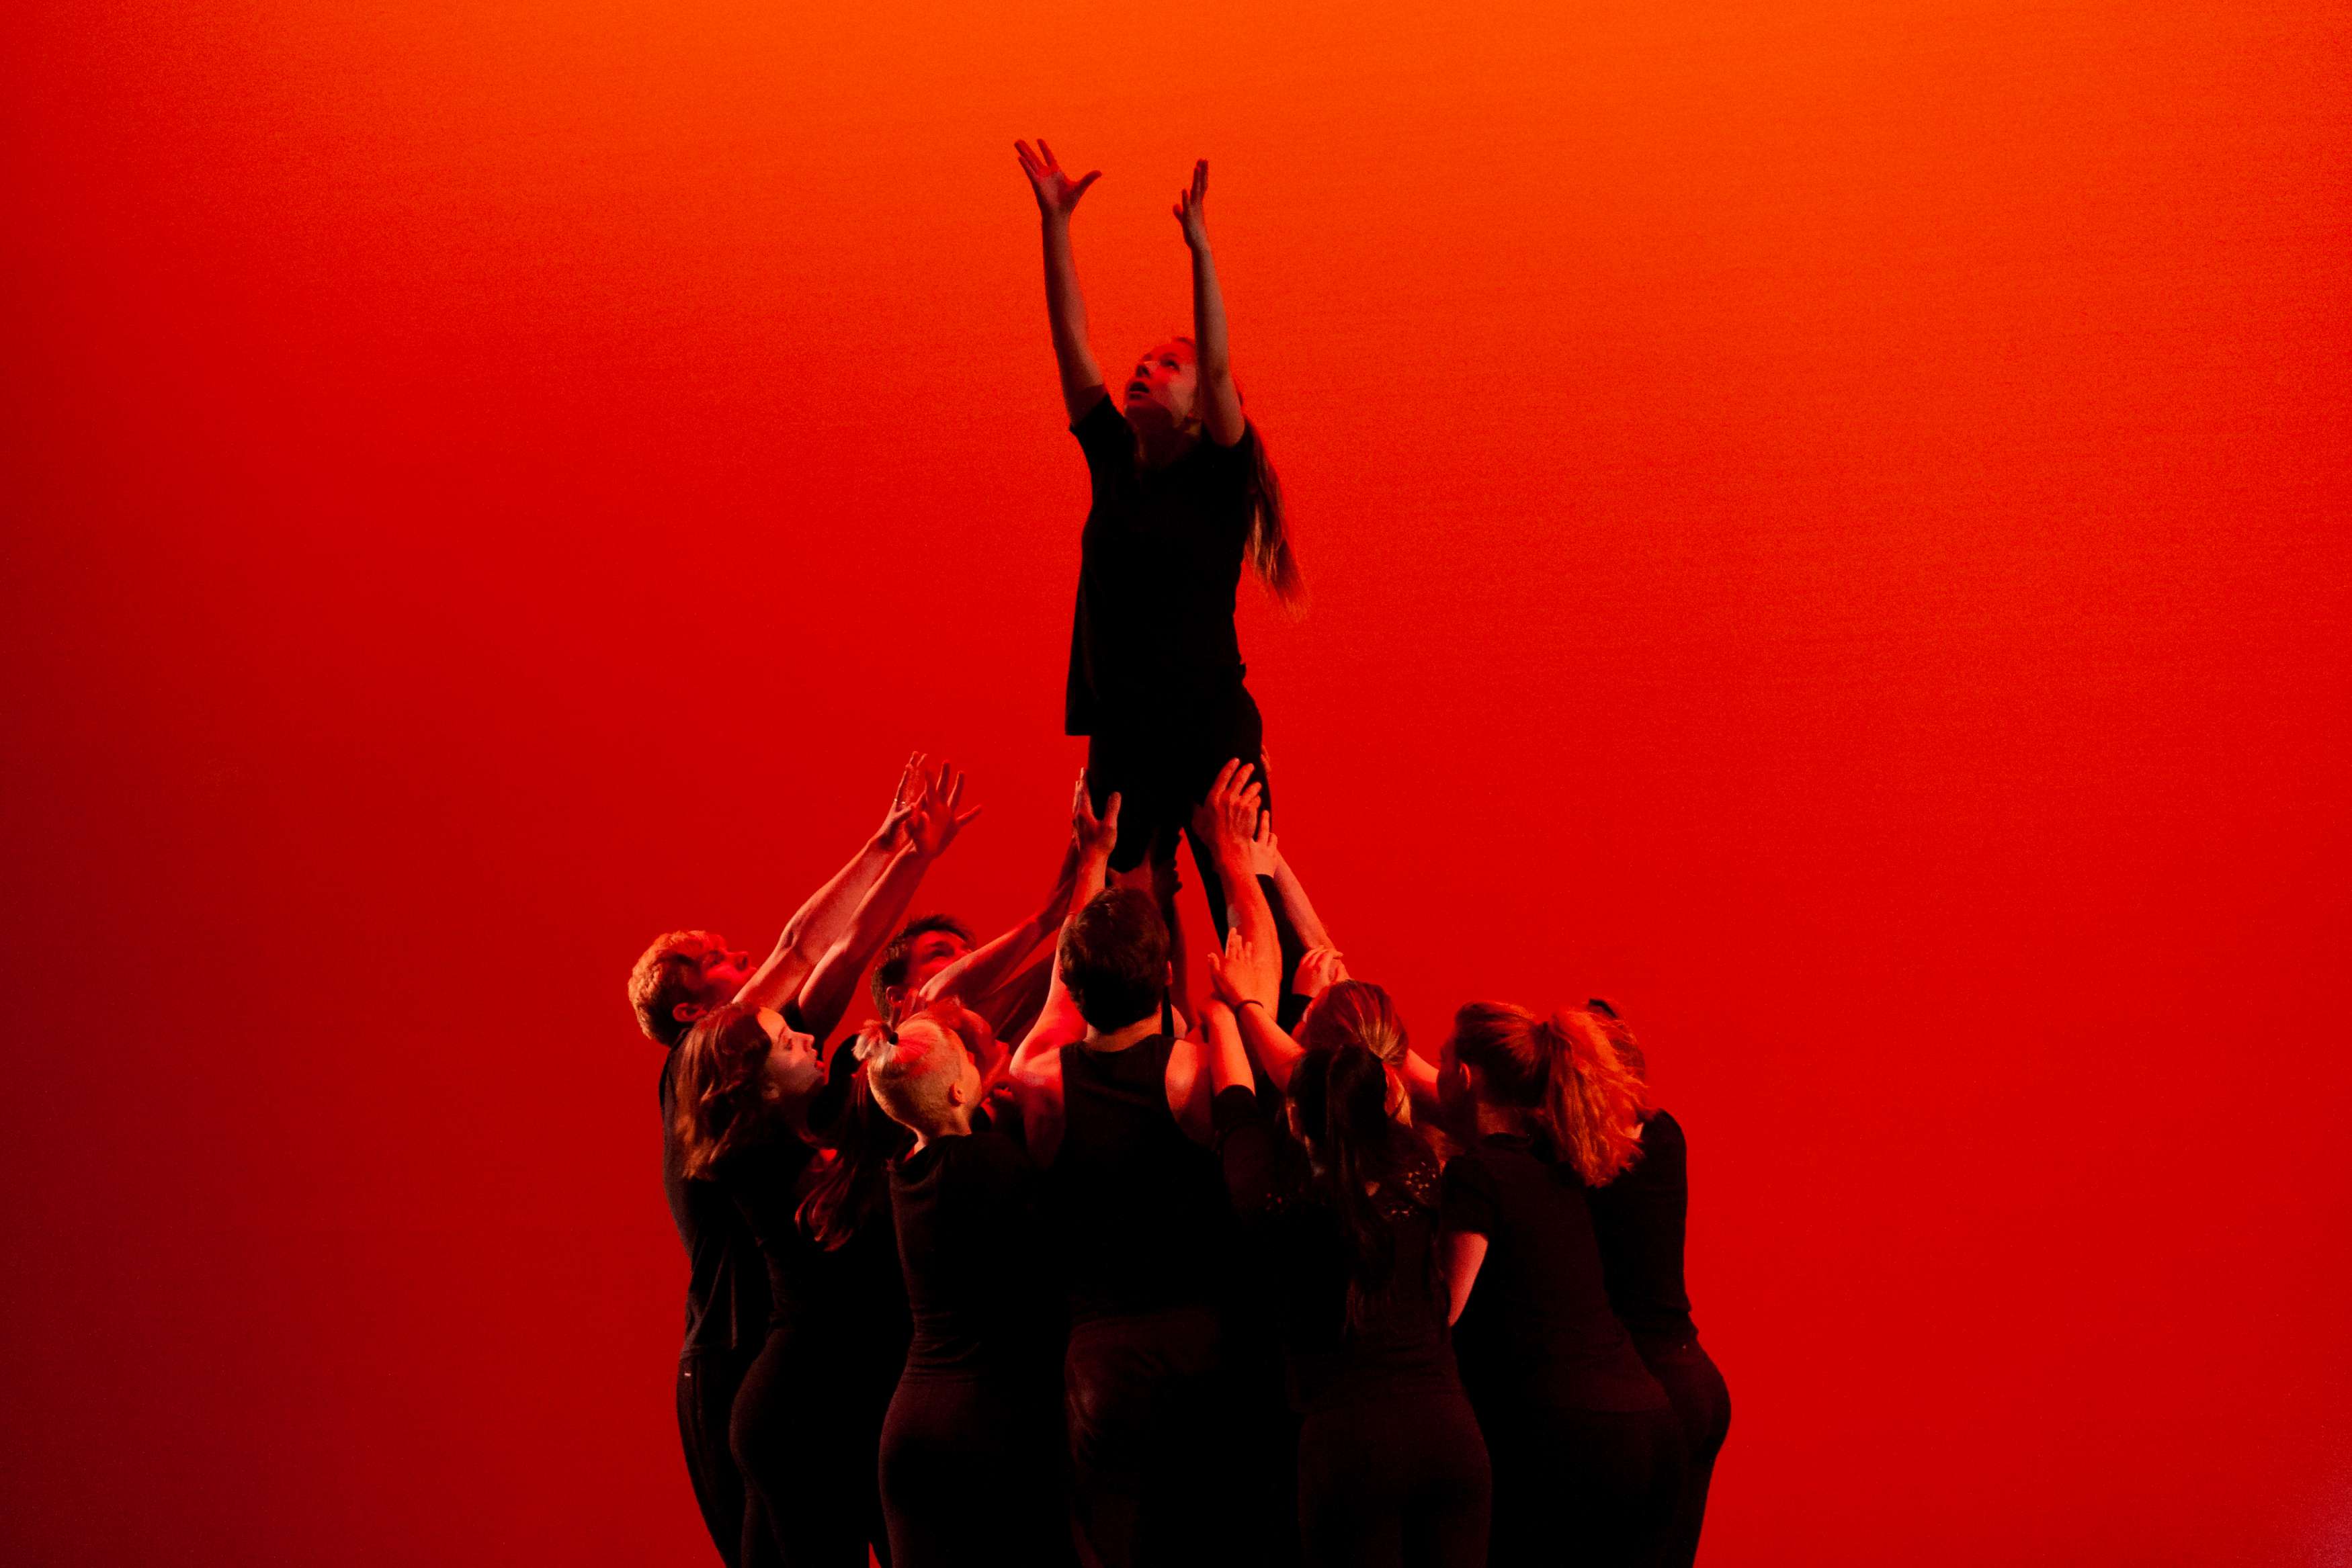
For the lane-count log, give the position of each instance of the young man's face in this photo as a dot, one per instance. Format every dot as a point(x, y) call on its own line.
point(720, 971)
point(932, 952)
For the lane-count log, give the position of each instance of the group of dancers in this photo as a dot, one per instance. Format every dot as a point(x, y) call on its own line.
point(1109, 1241)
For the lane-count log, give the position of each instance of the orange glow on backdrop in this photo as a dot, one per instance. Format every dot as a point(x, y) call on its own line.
point(1828, 527)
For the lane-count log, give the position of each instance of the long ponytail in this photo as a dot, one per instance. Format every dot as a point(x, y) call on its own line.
point(1592, 1101)
point(1340, 1093)
point(1585, 1100)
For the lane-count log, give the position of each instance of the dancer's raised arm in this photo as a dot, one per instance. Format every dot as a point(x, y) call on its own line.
point(930, 827)
point(1220, 400)
point(1066, 307)
point(820, 923)
point(1035, 1069)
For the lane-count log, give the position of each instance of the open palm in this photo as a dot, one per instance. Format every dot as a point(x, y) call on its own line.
point(1057, 193)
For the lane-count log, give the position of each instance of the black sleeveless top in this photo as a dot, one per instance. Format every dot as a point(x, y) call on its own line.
point(1137, 1209)
point(1638, 1219)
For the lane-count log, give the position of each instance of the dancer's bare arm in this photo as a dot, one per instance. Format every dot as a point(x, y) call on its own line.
point(1036, 1069)
point(1223, 825)
point(824, 919)
point(1220, 400)
point(1066, 307)
point(979, 974)
point(930, 827)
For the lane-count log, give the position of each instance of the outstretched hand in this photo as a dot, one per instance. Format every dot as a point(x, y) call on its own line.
point(1057, 195)
point(1094, 836)
point(1226, 974)
point(1227, 821)
point(934, 822)
point(903, 800)
point(1265, 849)
point(1192, 211)
point(1320, 970)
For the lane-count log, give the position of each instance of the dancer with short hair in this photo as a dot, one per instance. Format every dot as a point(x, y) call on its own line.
point(1585, 1451)
point(973, 1461)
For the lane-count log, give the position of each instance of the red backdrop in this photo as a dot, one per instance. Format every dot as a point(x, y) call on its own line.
point(1827, 522)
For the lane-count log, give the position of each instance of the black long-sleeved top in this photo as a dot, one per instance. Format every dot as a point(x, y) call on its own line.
point(1158, 563)
point(854, 1290)
point(978, 1286)
point(726, 1287)
point(1538, 1329)
point(1398, 1337)
point(1638, 1220)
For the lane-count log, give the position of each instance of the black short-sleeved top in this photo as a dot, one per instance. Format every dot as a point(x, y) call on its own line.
point(1537, 1331)
point(726, 1283)
point(1398, 1338)
point(1638, 1219)
point(1158, 566)
point(981, 1298)
point(1136, 1209)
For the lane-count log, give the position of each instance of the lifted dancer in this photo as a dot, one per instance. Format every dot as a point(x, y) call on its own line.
point(1183, 495)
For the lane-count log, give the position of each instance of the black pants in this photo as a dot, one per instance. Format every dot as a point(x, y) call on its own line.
point(1702, 1404)
point(1397, 1479)
point(1593, 1488)
point(1160, 774)
point(972, 1471)
point(807, 1425)
point(706, 1383)
point(1142, 1395)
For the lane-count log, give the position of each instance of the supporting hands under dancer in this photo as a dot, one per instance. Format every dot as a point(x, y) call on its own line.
point(925, 829)
point(1035, 1069)
point(1226, 823)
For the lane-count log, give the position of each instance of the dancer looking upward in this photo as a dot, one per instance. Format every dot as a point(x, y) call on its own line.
point(1183, 496)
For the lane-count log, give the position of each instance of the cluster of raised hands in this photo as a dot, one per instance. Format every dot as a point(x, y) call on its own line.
point(1057, 194)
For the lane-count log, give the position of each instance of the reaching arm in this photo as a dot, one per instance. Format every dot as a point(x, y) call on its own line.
point(820, 923)
point(1225, 824)
point(1066, 308)
point(1220, 400)
point(932, 827)
point(1036, 1068)
point(982, 972)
